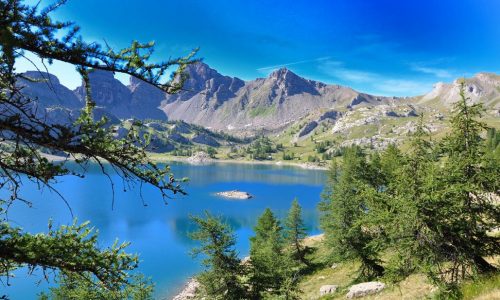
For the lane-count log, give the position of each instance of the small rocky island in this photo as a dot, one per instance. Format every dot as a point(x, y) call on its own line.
point(235, 194)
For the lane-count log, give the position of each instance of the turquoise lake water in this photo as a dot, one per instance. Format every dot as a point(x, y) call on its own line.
point(158, 232)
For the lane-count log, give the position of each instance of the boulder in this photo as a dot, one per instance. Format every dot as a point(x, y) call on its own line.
point(327, 289)
point(364, 289)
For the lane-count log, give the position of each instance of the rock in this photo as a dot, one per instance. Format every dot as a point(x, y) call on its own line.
point(159, 145)
point(205, 140)
point(364, 289)
point(179, 138)
point(308, 128)
point(200, 158)
point(235, 195)
point(189, 290)
point(246, 261)
point(332, 115)
point(327, 289)
point(358, 100)
point(334, 266)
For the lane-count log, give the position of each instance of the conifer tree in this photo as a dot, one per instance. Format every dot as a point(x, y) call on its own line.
point(268, 260)
point(409, 223)
point(467, 186)
point(344, 211)
point(23, 132)
point(295, 232)
point(222, 277)
point(71, 286)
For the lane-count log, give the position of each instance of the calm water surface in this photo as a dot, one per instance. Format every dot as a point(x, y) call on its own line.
point(158, 231)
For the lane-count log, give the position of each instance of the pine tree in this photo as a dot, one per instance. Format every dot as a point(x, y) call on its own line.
point(345, 207)
point(295, 232)
point(268, 260)
point(409, 225)
point(467, 184)
point(23, 132)
point(73, 286)
point(222, 277)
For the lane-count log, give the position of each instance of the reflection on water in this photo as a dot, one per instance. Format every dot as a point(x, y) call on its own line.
point(158, 232)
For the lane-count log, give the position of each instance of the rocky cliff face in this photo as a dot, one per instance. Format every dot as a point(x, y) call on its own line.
point(139, 100)
point(483, 87)
point(230, 104)
point(145, 100)
point(265, 104)
point(48, 91)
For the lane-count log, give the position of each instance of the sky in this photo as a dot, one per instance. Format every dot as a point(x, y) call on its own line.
point(382, 47)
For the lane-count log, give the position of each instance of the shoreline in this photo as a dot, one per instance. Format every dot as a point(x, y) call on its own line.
point(155, 158)
point(302, 165)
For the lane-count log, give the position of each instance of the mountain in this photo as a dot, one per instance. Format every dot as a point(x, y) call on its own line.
point(138, 100)
point(48, 91)
point(265, 104)
point(482, 87)
point(282, 104)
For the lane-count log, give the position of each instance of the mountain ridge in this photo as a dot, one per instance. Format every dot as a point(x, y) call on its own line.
point(219, 102)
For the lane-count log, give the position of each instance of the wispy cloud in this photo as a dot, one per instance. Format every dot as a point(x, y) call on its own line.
point(271, 68)
point(336, 69)
point(404, 87)
point(440, 73)
point(374, 82)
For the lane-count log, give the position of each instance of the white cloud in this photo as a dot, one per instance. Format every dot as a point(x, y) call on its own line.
point(374, 82)
point(336, 69)
point(404, 87)
point(441, 73)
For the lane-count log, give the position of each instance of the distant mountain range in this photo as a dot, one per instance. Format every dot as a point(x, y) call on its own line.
point(217, 102)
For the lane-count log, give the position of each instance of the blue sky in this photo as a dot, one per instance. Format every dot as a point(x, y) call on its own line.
point(381, 47)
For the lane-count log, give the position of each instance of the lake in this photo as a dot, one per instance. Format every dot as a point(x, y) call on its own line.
point(159, 232)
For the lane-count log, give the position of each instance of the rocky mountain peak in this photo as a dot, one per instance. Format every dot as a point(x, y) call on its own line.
point(42, 76)
point(289, 83)
point(211, 83)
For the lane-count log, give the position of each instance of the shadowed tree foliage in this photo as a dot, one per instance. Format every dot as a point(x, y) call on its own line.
point(222, 277)
point(433, 209)
point(273, 273)
point(73, 286)
point(295, 232)
point(23, 132)
point(345, 209)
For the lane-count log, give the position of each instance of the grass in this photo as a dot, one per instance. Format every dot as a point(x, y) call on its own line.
point(483, 288)
point(414, 287)
point(261, 111)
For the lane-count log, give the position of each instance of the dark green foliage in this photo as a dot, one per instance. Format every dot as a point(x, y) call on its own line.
point(345, 209)
point(321, 147)
point(288, 156)
point(261, 149)
point(468, 180)
point(434, 209)
point(222, 277)
point(85, 287)
point(312, 158)
point(70, 249)
point(211, 152)
point(295, 232)
point(272, 272)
